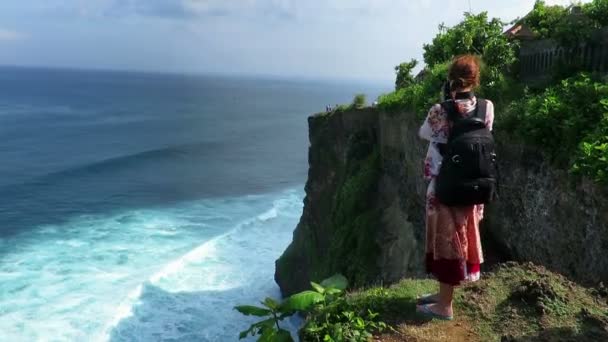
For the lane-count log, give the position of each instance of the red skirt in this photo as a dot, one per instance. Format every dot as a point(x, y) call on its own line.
point(452, 271)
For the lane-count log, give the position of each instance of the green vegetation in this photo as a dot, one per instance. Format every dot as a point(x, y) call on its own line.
point(527, 302)
point(568, 119)
point(404, 74)
point(269, 328)
point(597, 10)
point(476, 34)
point(418, 96)
point(353, 221)
point(336, 322)
point(568, 30)
point(513, 303)
point(479, 35)
point(328, 325)
point(544, 20)
point(359, 101)
point(592, 158)
point(555, 22)
point(336, 239)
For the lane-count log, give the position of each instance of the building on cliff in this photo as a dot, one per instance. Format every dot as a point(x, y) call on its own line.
point(539, 57)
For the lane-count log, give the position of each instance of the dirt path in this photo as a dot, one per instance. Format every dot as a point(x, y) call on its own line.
point(454, 331)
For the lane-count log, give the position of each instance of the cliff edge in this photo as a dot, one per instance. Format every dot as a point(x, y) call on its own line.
point(364, 207)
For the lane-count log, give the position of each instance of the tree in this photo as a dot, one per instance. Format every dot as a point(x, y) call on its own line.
point(556, 22)
point(544, 20)
point(359, 101)
point(404, 74)
point(476, 34)
point(597, 10)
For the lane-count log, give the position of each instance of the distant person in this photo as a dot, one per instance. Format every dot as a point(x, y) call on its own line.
point(460, 166)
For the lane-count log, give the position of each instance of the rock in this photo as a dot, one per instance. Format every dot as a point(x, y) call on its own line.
point(364, 208)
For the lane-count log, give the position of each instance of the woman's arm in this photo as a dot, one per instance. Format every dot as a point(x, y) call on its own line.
point(435, 127)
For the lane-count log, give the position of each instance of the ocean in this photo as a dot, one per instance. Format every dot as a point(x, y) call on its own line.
point(144, 207)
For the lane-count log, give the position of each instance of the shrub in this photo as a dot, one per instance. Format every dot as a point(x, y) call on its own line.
point(592, 156)
point(401, 99)
point(420, 96)
point(359, 101)
point(544, 20)
point(569, 121)
point(476, 34)
point(597, 10)
point(404, 74)
point(556, 22)
point(340, 325)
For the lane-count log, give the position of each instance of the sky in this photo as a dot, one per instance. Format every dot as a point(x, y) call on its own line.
point(317, 39)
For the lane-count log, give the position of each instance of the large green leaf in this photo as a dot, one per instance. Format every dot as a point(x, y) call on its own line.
point(268, 323)
point(267, 335)
point(256, 328)
point(317, 287)
point(244, 334)
point(283, 336)
point(273, 335)
point(302, 301)
point(250, 310)
point(271, 303)
point(337, 281)
point(333, 292)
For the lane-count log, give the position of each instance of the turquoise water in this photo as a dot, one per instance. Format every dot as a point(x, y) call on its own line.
point(142, 207)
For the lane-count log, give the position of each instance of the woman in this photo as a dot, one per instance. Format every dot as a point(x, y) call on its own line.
point(453, 246)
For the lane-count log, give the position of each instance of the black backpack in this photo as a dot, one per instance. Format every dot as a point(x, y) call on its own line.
point(468, 173)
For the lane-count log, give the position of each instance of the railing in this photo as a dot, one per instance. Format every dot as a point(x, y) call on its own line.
point(539, 57)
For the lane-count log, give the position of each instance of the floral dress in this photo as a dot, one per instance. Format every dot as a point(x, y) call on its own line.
point(453, 246)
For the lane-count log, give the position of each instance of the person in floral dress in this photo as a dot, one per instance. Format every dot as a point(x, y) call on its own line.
point(453, 246)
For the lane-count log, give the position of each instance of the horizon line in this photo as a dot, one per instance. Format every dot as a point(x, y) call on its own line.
point(201, 73)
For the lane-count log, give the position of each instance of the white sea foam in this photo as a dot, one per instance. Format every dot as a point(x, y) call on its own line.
point(270, 214)
point(200, 288)
point(199, 253)
point(122, 278)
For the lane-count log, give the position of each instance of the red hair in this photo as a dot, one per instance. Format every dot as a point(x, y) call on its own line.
point(464, 72)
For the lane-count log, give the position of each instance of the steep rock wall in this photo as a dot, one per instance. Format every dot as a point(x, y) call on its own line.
point(547, 217)
point(364, 207)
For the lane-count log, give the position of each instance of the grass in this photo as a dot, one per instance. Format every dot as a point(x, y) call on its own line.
point(515, 302)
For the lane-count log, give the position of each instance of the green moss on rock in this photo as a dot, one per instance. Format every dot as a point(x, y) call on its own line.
point(514, 303)
point(353, 249)
point(338, 228)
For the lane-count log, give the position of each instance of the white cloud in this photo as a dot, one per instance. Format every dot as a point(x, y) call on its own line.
point(185, 8)
point(293, 9)
point(252, 8)
point(10, 35)
point(328, 38)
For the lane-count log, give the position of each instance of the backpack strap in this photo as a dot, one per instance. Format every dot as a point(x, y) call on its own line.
point(482, 109)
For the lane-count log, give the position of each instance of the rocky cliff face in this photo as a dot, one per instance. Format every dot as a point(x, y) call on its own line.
point(549, 218)
point(364, 207)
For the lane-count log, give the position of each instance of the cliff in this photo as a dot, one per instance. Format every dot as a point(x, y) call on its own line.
point(364, 207)
point(512, 303)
